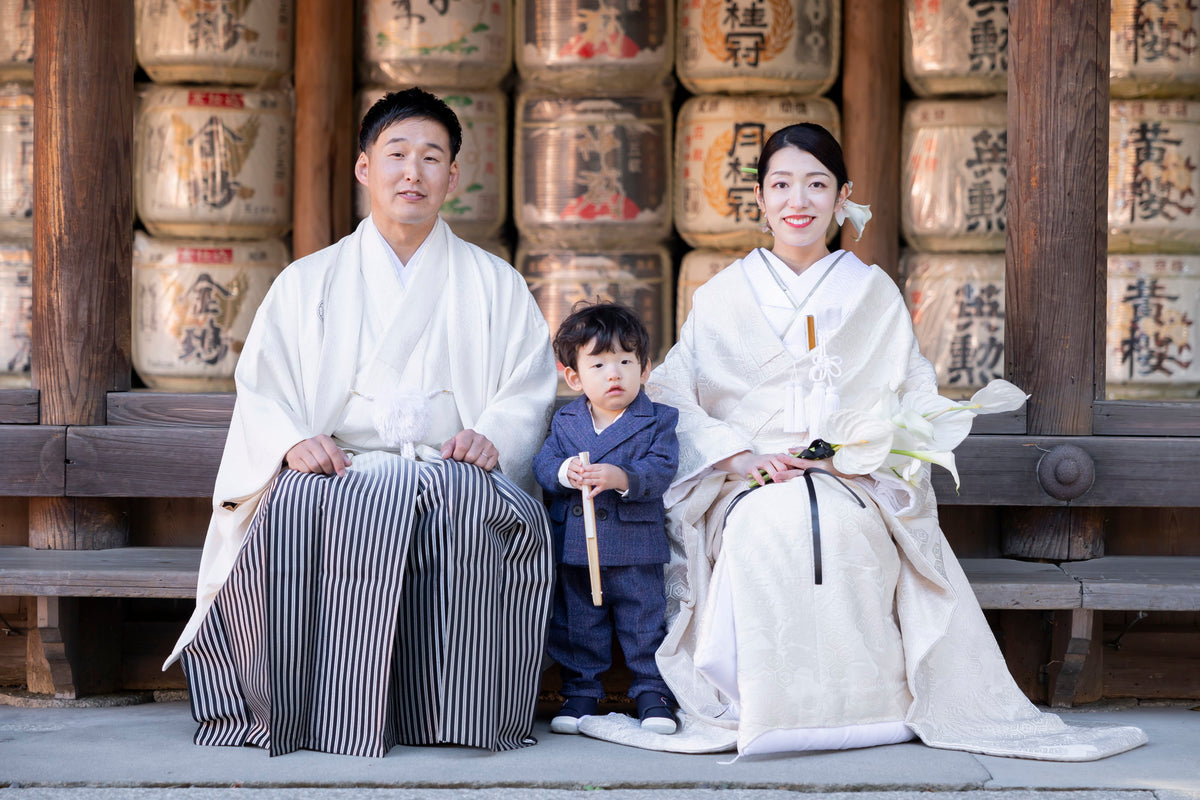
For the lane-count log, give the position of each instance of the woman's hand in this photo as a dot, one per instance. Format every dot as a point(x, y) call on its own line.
point(795, 467)
point(780, 467)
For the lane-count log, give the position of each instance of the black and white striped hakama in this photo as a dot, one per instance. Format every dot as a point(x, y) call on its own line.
point(398, 604)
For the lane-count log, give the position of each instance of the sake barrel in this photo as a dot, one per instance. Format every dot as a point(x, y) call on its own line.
point(16, 314)
point(763, 46)
point(478, 206)
point(1153, 151)
point(214, 162)
point(466, 44)
point(695, 270)
point(717, 138)
point(639, 277)
point(215, 41)
point(193, 302)
point(957, 306)
point(956, 46)
point(16, 40)
point(16, 161)
point(592, 171)
point(578, 45)
point(953, 186)
point(1152, 347)
point(1153, 48)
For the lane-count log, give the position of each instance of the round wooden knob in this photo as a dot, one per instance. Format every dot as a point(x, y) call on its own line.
point(1066, 472)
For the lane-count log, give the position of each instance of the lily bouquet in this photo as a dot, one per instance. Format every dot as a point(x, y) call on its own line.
point(901, 434)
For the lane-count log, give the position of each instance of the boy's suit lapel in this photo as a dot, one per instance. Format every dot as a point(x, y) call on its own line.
point(582, 434)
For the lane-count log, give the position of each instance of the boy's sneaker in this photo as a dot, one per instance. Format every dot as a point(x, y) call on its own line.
point(567, 719)
point(654, 710)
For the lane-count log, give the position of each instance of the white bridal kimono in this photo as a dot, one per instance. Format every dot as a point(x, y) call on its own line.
point(338, 328)
point(891, 641)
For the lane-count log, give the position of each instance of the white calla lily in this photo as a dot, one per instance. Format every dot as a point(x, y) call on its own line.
point(862, 440)
point(944, 416)
point(998, 396)
point(943, 458)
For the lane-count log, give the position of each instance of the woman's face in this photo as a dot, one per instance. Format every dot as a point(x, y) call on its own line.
point(798, 197)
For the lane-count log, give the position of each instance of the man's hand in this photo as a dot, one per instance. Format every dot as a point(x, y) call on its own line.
point(600, 477)
point(318, 455)
point(470, 447)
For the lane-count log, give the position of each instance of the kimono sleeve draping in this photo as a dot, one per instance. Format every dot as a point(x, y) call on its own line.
point(298, 367)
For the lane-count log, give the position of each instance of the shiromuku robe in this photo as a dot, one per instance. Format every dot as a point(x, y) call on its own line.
point(892, 641)
point(336, 328)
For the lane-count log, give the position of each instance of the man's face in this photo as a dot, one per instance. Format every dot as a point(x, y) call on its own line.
point(408, 172)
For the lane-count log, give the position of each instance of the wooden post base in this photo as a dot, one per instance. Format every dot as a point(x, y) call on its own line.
point(1078, 657)
point(67, 659)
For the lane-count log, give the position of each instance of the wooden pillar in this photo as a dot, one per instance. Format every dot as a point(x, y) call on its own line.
point(326, 129)
point(82, 258)
point(871, 125)
point(1057, 241)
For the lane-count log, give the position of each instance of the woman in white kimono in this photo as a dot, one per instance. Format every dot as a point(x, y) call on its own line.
point(786, 634)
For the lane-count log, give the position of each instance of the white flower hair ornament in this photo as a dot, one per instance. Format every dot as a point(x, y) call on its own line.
point(858, 214)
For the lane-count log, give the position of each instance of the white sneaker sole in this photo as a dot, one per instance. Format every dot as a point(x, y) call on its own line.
point(659, 725)
point(564, 724)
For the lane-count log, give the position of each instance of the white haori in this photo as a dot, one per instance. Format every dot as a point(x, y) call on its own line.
point(337, 328)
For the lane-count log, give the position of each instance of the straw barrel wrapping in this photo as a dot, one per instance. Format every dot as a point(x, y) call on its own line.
point(16, 161)
point(478, 207)
point(955, 46)
point(16, 314)
point(577, 45)
point(765, 47)
point(16, 39)
point(1153, 151)
point(466, 44)
point(214, 162)
point(193, 302)
point(1153, 48)
point(226, 41)
point(593, 172)
point(697, 267)
point(1152, 343)
point(638, 277)
point(953, 187)
point(717, 137)
point(957, 306)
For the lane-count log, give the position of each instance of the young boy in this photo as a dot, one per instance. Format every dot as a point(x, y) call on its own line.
point(604, 349)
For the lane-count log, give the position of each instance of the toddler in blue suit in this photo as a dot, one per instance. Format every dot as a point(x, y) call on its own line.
point(605, 351)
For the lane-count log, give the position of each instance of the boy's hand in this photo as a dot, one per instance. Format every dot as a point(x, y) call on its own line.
point(600, 477)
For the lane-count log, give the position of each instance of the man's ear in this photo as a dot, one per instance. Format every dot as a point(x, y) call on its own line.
point(452, 184)
point(573, 379)
point(361, 167)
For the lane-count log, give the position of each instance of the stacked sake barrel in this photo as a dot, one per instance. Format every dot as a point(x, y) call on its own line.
point(461, 52)
point(752, 68)
point(1154, 226)
point(591, 172)
point(954, 154)
point(212, 183)
point(16, 192)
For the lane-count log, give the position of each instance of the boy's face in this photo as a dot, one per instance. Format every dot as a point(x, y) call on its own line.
point(611, 380)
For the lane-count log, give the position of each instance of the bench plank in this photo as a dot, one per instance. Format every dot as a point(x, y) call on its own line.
point(203, 409)
point(19, 406)
point(119, 572)
point(33, 462)
point(142, 461)
point(1005, 583)
point(1139, 583)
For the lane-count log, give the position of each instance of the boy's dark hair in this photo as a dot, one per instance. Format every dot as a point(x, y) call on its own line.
point(609, 324)
point(411, 103)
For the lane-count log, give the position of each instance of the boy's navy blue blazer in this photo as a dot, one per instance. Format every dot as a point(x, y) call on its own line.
point(632, 529)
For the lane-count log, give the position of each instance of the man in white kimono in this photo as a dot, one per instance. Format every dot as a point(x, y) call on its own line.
point(374, 573)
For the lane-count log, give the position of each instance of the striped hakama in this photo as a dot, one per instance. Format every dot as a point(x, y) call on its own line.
point(398, 604)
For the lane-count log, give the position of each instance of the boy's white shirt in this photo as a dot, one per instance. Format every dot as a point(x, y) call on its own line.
point(562, 470)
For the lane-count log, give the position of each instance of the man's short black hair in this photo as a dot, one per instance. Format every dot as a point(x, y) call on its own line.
point(414, 103)
point(609, 325)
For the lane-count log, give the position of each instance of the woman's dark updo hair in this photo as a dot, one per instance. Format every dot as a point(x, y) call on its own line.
point(811, 138)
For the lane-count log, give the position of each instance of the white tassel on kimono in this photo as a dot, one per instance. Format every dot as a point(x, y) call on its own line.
point(797, 419)
point(823, 399)
point(402, 418)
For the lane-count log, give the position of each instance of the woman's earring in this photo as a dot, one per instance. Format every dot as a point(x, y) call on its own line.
point(766, 226)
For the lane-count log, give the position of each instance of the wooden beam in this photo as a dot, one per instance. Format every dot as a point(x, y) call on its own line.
point(325, 146)
point(34, 462)
point(1157, 418)
point(1139, 583)
point(18, 406)
point(871, 66)
point(120, 572)
point(133, 461)
point(171, 409)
